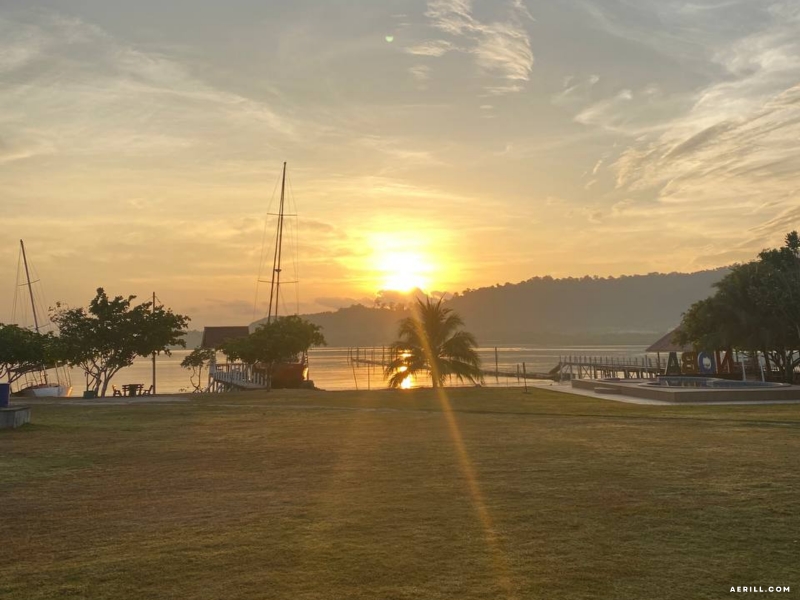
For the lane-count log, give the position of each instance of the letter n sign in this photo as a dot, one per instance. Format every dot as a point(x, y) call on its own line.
point(725, 361)
point(673, 367)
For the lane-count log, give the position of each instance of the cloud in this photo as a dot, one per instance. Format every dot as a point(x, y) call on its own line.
point(718, 162)
point(500, 48)
point(71, 88)
point(421, 73)
point(434, 48)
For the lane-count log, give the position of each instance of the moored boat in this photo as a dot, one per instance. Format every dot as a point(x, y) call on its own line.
point(45, 390)
point(49, 380)
point(286, 374)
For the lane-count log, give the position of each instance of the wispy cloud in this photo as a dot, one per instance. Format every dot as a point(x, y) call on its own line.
point(421, 74)
point(432, 48)
point(500, 48)
point(69, 87)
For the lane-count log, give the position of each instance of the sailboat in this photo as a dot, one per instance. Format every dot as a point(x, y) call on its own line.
point(49, 380)
point(288, 374)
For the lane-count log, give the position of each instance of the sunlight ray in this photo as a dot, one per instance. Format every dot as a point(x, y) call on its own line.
point(500, 561)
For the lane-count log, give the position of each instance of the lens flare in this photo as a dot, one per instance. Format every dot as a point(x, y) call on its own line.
point(499, 558)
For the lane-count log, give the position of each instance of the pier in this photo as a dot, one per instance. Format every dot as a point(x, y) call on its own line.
point(567, 368)
point(608, 367)
point(226, 377)
point(380, 358)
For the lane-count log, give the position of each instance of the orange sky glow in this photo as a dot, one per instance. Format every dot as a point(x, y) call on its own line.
point(443, 144)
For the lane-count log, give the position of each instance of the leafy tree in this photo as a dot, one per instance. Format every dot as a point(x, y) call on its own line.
point(197, 360)
point(756, 307)
point(23, 351)
point(280, 340)
point(112, 332)
point(432, 340)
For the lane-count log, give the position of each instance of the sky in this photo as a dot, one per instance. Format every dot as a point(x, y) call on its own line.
point(445, 144)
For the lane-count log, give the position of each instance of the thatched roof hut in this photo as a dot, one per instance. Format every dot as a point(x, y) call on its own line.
point(665, 344)
point(214, 337)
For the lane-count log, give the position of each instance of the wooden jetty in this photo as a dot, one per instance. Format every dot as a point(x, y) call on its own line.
point(609, 367)
point(226, 377)
point(380, 357)
point(567, 368)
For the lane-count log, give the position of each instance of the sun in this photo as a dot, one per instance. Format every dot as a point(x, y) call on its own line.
point(402, 260)
point(403, 271)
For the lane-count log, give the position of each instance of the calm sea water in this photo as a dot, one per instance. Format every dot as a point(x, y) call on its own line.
point(330, 369)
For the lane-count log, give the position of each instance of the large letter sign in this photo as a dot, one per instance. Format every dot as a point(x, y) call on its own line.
point(673, 366)
point(689, 363)
point(725, 362)
point(706, 363)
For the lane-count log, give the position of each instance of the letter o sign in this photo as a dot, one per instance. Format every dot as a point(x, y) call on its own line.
point(706, 363)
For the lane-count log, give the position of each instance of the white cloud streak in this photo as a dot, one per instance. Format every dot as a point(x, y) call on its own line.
point(71, 88)
point(734, 152)
point(500, 48)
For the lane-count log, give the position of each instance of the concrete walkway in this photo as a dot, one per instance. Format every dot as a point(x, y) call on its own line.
point(107, 401)
point(566, 388)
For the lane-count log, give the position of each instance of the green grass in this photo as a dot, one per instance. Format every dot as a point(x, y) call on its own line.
point(314, 495)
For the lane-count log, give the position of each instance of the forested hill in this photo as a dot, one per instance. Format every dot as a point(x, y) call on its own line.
point(543, 310)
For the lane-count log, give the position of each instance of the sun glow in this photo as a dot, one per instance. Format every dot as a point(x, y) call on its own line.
point(402, 261)
point(408, 382)
point(403, 271)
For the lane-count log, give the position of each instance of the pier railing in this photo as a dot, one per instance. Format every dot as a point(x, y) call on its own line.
point(567, 368)
point(602, 367)
point(229, 376)
point(378, 358)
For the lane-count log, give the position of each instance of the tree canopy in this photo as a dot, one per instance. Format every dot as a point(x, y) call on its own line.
point(756, 307)
point(23, 351)
point(432, 340)
point(112, 332)
point(197, 360)
point(280, 340)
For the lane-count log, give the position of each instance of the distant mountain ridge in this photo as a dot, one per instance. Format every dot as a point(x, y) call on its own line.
point(635, 309)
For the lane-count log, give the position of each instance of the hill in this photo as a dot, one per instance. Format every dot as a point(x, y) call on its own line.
point(634, 309)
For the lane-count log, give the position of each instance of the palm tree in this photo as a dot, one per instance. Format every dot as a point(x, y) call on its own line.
point(432, 340)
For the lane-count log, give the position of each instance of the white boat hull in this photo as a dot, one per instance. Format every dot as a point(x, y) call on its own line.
point(52, 390)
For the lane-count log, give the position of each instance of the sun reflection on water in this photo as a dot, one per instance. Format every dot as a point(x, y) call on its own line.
point(408, 381)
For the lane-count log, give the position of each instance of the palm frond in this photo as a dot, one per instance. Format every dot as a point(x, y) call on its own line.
point(432, 340)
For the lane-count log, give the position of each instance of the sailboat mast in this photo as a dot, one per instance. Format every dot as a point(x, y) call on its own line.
point(30, 287)
point(274, 290)
point(33, 303)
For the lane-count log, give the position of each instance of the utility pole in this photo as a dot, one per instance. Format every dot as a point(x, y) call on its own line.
point(154, 354)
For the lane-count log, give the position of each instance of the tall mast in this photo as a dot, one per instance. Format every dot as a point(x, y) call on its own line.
point(30, 287)
point(33, 303)
point(274, 290)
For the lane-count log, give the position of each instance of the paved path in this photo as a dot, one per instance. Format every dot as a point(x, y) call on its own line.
point(568, 389)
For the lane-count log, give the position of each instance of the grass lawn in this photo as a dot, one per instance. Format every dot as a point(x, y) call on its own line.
point(347, 495)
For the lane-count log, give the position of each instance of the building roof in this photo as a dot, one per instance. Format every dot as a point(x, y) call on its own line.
point(214, 337)
point(665, 344)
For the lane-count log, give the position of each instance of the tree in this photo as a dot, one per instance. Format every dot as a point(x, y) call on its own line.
point(23, 351)
point(432, 340)
point(111, 333)
point(756, 307)
point(197, 360)
point(280, 340)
